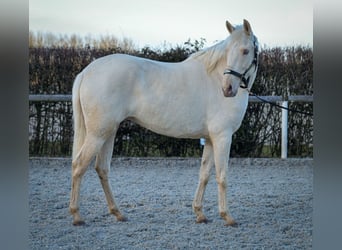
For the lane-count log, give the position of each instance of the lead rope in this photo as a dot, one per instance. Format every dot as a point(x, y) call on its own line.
point(279, 106)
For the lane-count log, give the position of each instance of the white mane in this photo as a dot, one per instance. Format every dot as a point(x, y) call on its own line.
point(213, 55)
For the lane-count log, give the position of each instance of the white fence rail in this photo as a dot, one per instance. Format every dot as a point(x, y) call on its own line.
point(279, 99)
point(65, 98)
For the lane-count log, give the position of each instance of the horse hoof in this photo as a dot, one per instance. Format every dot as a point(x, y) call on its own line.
point(231, 224)
point(78, 222)
point(121, 218)
point(202, 219)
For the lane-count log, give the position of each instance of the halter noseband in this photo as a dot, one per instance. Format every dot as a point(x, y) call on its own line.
point(245, 81)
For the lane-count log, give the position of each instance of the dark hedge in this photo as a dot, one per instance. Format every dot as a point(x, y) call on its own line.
point(282, 71)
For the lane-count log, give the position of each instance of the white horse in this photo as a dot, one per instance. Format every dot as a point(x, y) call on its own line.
point(184, 100)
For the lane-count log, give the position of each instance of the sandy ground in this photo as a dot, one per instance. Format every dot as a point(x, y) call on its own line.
point(271, 199)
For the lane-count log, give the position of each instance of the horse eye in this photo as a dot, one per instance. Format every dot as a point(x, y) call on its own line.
point(245, 51)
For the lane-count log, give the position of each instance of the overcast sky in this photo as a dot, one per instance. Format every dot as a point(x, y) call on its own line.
point(153, 22)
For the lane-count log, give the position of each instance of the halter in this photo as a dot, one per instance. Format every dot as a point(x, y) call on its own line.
point(245, 81)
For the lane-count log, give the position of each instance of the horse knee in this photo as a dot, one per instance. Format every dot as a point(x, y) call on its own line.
point(78, 171)
point(102, 173)
point(204, 179)
point(221, 181)
point(204, 161)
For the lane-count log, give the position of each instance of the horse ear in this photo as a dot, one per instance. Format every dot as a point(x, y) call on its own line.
point(230, 27)
point(247, 27)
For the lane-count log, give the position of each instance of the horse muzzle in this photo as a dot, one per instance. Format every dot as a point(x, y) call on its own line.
point(228, 92)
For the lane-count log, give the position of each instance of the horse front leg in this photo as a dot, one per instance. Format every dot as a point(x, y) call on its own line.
point(221, 155)
point(206, 164)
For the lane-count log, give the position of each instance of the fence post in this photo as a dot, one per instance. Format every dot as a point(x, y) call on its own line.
point(284, 122)
point(284, 116)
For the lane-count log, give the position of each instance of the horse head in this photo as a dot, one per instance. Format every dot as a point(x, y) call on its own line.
point(242, 59)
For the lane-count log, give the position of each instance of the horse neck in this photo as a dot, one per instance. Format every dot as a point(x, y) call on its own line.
point(214, 58)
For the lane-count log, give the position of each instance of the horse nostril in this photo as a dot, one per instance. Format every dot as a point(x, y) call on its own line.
point(228, 92)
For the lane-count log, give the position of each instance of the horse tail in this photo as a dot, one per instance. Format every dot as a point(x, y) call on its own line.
point(79, 125)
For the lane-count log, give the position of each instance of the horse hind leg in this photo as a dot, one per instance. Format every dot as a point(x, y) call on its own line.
point(102, 167)
point(90, 148)
point(206, 164)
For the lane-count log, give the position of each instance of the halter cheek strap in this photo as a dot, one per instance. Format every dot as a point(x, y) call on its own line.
point(242, 77)
point(245, 81)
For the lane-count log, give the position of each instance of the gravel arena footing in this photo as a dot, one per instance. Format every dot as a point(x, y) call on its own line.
point(271, 199)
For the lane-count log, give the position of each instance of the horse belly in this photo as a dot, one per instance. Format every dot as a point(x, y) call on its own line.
point(179, 123)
